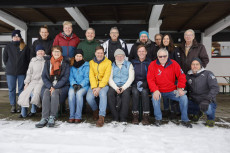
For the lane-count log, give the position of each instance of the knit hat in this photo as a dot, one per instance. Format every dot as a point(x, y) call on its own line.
point(143, 32)
point(119, 52)
point(196, 59)
point(39, 47)
point(78, 51)
point(16, 33)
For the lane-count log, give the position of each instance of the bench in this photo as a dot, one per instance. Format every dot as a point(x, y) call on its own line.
point(224, 86)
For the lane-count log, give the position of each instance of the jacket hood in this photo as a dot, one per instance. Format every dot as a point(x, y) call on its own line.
point(147, 43)
point(201, 70)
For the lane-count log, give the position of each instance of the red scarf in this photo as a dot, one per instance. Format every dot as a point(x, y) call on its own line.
point(56, 65)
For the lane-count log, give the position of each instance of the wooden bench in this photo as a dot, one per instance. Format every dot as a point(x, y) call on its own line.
point(224, 86)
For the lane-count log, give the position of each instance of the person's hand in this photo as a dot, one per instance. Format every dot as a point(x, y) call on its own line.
point(121, 90)
point(26, 85)
point(118, 90)
point(75, 88)
point(204, 105)
point(181, 92)
point(51, 90)
point(96, 91)
point(157, 95)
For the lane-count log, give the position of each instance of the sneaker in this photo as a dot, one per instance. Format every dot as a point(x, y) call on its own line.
point(158, 122)
point(210, 123)
point(13, 109)
point(19, 109)
point(51, 121)
point(186, 124)
point(197, 117)
point(42, 123)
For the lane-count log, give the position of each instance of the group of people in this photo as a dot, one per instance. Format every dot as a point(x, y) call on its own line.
point(65, 68)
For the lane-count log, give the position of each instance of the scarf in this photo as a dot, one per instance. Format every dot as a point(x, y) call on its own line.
point(56, 66)
point(78, 64)
point(96, 61)
point(68, 37)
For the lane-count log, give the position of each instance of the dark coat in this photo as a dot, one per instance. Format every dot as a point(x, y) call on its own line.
point(16, 61)
point(150, 47)
point(196, 50)
point(202, 86)
point(63, 82)
point(175, 55)
point(47, 44)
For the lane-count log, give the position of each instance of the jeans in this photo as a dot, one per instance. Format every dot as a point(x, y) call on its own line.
point(24, 109)
point(183, 102)
point(145, 99)
point(76, 103)
point(11, 81)
point(193, 108)
point(125, 98)
point(90, 98)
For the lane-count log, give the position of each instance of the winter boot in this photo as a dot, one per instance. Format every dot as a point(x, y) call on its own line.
point(158, 123)
point(210, 123)
point(51, 121)
point(145, 120)
point(19, 109)
point(100, 121)
point(135, 118)
point(186, 124)
point(13, 109)
point(95, 115)
point(197, 116)
point(42, 123)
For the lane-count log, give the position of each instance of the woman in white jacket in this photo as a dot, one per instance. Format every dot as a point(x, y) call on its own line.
point(33, 84)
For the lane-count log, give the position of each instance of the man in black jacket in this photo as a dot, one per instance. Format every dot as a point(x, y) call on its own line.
point(202, 90)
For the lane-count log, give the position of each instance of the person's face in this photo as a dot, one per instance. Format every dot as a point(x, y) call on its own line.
point(67, 29)
point(44, 33)
point(78, 57)
point(114, 34)
point(56, 53)
point(40, 53)
point(119, 58)
point(143, 38)
point(195, 66)
point(166, 40)
point(188, 36)
point(162, 57)
point(141, 52)
point(90, 34)
point(16, 38)
point(158, 40)
point(99, 54)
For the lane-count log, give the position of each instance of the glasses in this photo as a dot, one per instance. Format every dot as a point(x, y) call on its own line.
point(162, 56)
point(56, 51)
point(188, 35)
point(113, 32)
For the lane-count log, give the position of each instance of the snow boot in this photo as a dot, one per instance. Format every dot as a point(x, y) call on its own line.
point(186, 124)
point(100, 121)
point(135, 118)
point(145, 120)
point(158, 123)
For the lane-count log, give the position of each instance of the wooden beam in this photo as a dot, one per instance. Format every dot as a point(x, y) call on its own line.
point(13, 14)
point(6, 27)
point(44, 15)
point(84, 12)
point(155, 15)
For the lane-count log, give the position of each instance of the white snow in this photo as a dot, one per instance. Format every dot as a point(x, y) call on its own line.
point(23, 137)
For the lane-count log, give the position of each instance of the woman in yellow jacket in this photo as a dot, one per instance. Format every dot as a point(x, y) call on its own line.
point(99, 73)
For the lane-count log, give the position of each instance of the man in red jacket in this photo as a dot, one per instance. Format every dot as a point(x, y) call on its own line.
point(161, 77)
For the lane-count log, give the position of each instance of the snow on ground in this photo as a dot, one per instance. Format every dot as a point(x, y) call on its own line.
point(23, 137)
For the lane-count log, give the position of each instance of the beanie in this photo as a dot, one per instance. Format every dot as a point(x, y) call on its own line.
point(119, 52)
point(143, 32)
point(16, 33)
point(78, 51)
point(39, 47)
point(196, 59)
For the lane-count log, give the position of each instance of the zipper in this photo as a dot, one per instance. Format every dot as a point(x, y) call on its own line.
point(97, 75)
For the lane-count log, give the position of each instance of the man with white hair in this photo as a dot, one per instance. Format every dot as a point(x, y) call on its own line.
point(161, 77)
point(190, 49)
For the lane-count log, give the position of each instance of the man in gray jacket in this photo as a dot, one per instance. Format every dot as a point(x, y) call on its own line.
point(202, 90)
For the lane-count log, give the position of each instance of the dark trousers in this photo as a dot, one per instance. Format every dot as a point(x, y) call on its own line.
point(144, 97)
point(125, 98)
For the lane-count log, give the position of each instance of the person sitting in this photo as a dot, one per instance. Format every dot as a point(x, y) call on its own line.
point(99, 73)
point(55, 76)
point(140, 86)
point(161, 77)
point(79, 84)
point(121, 78)
point(33, 84)
point(202, 90)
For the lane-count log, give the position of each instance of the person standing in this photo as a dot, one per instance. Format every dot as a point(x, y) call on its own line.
point(158, 41)
point(16, 57)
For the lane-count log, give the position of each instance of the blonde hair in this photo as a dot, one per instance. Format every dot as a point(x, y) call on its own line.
point(67, 23)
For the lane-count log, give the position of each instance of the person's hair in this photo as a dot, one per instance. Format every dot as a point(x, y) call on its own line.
point(90, 29)
point(170, 46)
point(45, 27)
point(162, 50)
point(114, 28)
point(67, 23)
point(158, 34)
point(98, 48)
point(190, 30)
point(56, 47)
point(139, 46)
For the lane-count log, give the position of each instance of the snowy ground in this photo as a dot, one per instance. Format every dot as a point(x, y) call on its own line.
point(23, 137)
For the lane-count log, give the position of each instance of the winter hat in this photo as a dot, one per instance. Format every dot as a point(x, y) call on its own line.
point(119, 52)
point(16, 33)
point(196, 59)
point(39, 47)
point(143, 32)
point(78, 51)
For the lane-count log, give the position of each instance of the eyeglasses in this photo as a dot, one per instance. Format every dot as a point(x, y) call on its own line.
point(56, 51)
point(162, 56)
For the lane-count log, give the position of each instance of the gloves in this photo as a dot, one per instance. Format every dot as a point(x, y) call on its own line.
point(139, 86)
point(76, 87)
point(204, 105)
